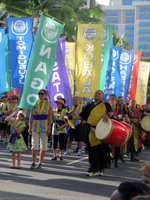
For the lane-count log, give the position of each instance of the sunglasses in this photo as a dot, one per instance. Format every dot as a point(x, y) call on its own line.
point(42, 93)
point(14, 98)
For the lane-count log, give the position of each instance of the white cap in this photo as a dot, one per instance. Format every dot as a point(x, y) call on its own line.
point(22, 112)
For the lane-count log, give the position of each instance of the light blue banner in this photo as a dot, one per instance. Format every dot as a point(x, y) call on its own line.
point(20, 40)
point(106, 44)
point(125, 66)
point(2, 61)
point(113, 81)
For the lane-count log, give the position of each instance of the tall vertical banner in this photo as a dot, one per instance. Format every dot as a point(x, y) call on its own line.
point(143, 75)
point(2, 61)
point(113, 81)
point(58, 85)
point(89, 46)
point(70, 63)
point(106, 41)
point(134, 76)
point(42, 60)
point(20, 40)
point(125, 65)
point(7, 61)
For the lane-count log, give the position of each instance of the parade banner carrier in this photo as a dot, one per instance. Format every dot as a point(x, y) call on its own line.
point(70, 63)
point(125, 65)
point(2, 61)
point(89, 46)
point(134, 76)
point(42, 60)
point(143, 75)
point(58, 85)
point(106, 41)
point(113, 81)
point(20, 40)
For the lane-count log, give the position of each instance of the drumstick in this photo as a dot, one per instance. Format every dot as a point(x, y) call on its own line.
point(60, 116)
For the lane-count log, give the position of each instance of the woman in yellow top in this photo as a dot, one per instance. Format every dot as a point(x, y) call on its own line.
point(59, 128)
point(40, 127)
point(16, 142)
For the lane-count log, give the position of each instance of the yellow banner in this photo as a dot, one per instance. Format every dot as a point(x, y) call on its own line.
point(89, 46)
point(143, 75)
point(70, 63)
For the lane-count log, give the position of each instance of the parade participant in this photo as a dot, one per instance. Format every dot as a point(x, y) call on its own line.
point(128, 190)
point(40, 127)
point(76, 133)
point(16, 142)
point(135, 140)
point(59, 128)
point(11, 107)
point(2, 119)
point(123, 108)
point(7, 132)
point(118, 114)
point(97, 150)
point(146, 142)
point(145, 174)
point(25, 132)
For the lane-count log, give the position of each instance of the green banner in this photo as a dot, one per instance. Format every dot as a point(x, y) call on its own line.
point(107, 32)
point(7, 61)
point(42, 60)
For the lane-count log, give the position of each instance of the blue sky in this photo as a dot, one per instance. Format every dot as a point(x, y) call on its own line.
point(104, 2)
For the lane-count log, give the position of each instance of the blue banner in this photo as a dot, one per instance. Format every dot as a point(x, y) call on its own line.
point(2, 61)
point(58, 85)
point(20, 40)
point(113, 81)
point(125, 66)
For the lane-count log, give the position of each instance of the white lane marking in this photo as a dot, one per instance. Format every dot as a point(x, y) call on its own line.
point(75, 161)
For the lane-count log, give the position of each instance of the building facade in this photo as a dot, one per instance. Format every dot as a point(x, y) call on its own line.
point(132, 19)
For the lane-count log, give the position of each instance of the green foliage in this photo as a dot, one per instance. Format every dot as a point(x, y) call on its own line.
point(119, 41)
point(70, 12)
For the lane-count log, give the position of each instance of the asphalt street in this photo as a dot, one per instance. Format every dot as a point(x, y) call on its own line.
point(62, 180)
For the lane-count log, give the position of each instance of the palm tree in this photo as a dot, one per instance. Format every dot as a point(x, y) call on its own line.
point(119, 41)
point(71, 12)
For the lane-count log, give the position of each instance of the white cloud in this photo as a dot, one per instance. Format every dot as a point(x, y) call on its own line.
point(103, 2)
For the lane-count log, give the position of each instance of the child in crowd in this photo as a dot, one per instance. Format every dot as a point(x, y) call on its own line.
point(16, 142)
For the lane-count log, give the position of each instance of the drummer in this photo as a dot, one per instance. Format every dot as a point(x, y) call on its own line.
point(147, 137)
point(135, 140)
point(118, 113)
point(123, 109)
point(97, 150)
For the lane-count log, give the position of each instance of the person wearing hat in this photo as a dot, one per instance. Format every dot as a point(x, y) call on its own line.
point(2, 117)
point(135, 141)
point(40, 127)
point(97, 150)
point(59, 128)
point(16, 142)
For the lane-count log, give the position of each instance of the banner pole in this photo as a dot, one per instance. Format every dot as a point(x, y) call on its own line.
point(21, 91)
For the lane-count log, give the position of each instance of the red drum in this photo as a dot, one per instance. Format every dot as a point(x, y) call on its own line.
point(145, 124)
point(129, 129)
point(112, 132)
